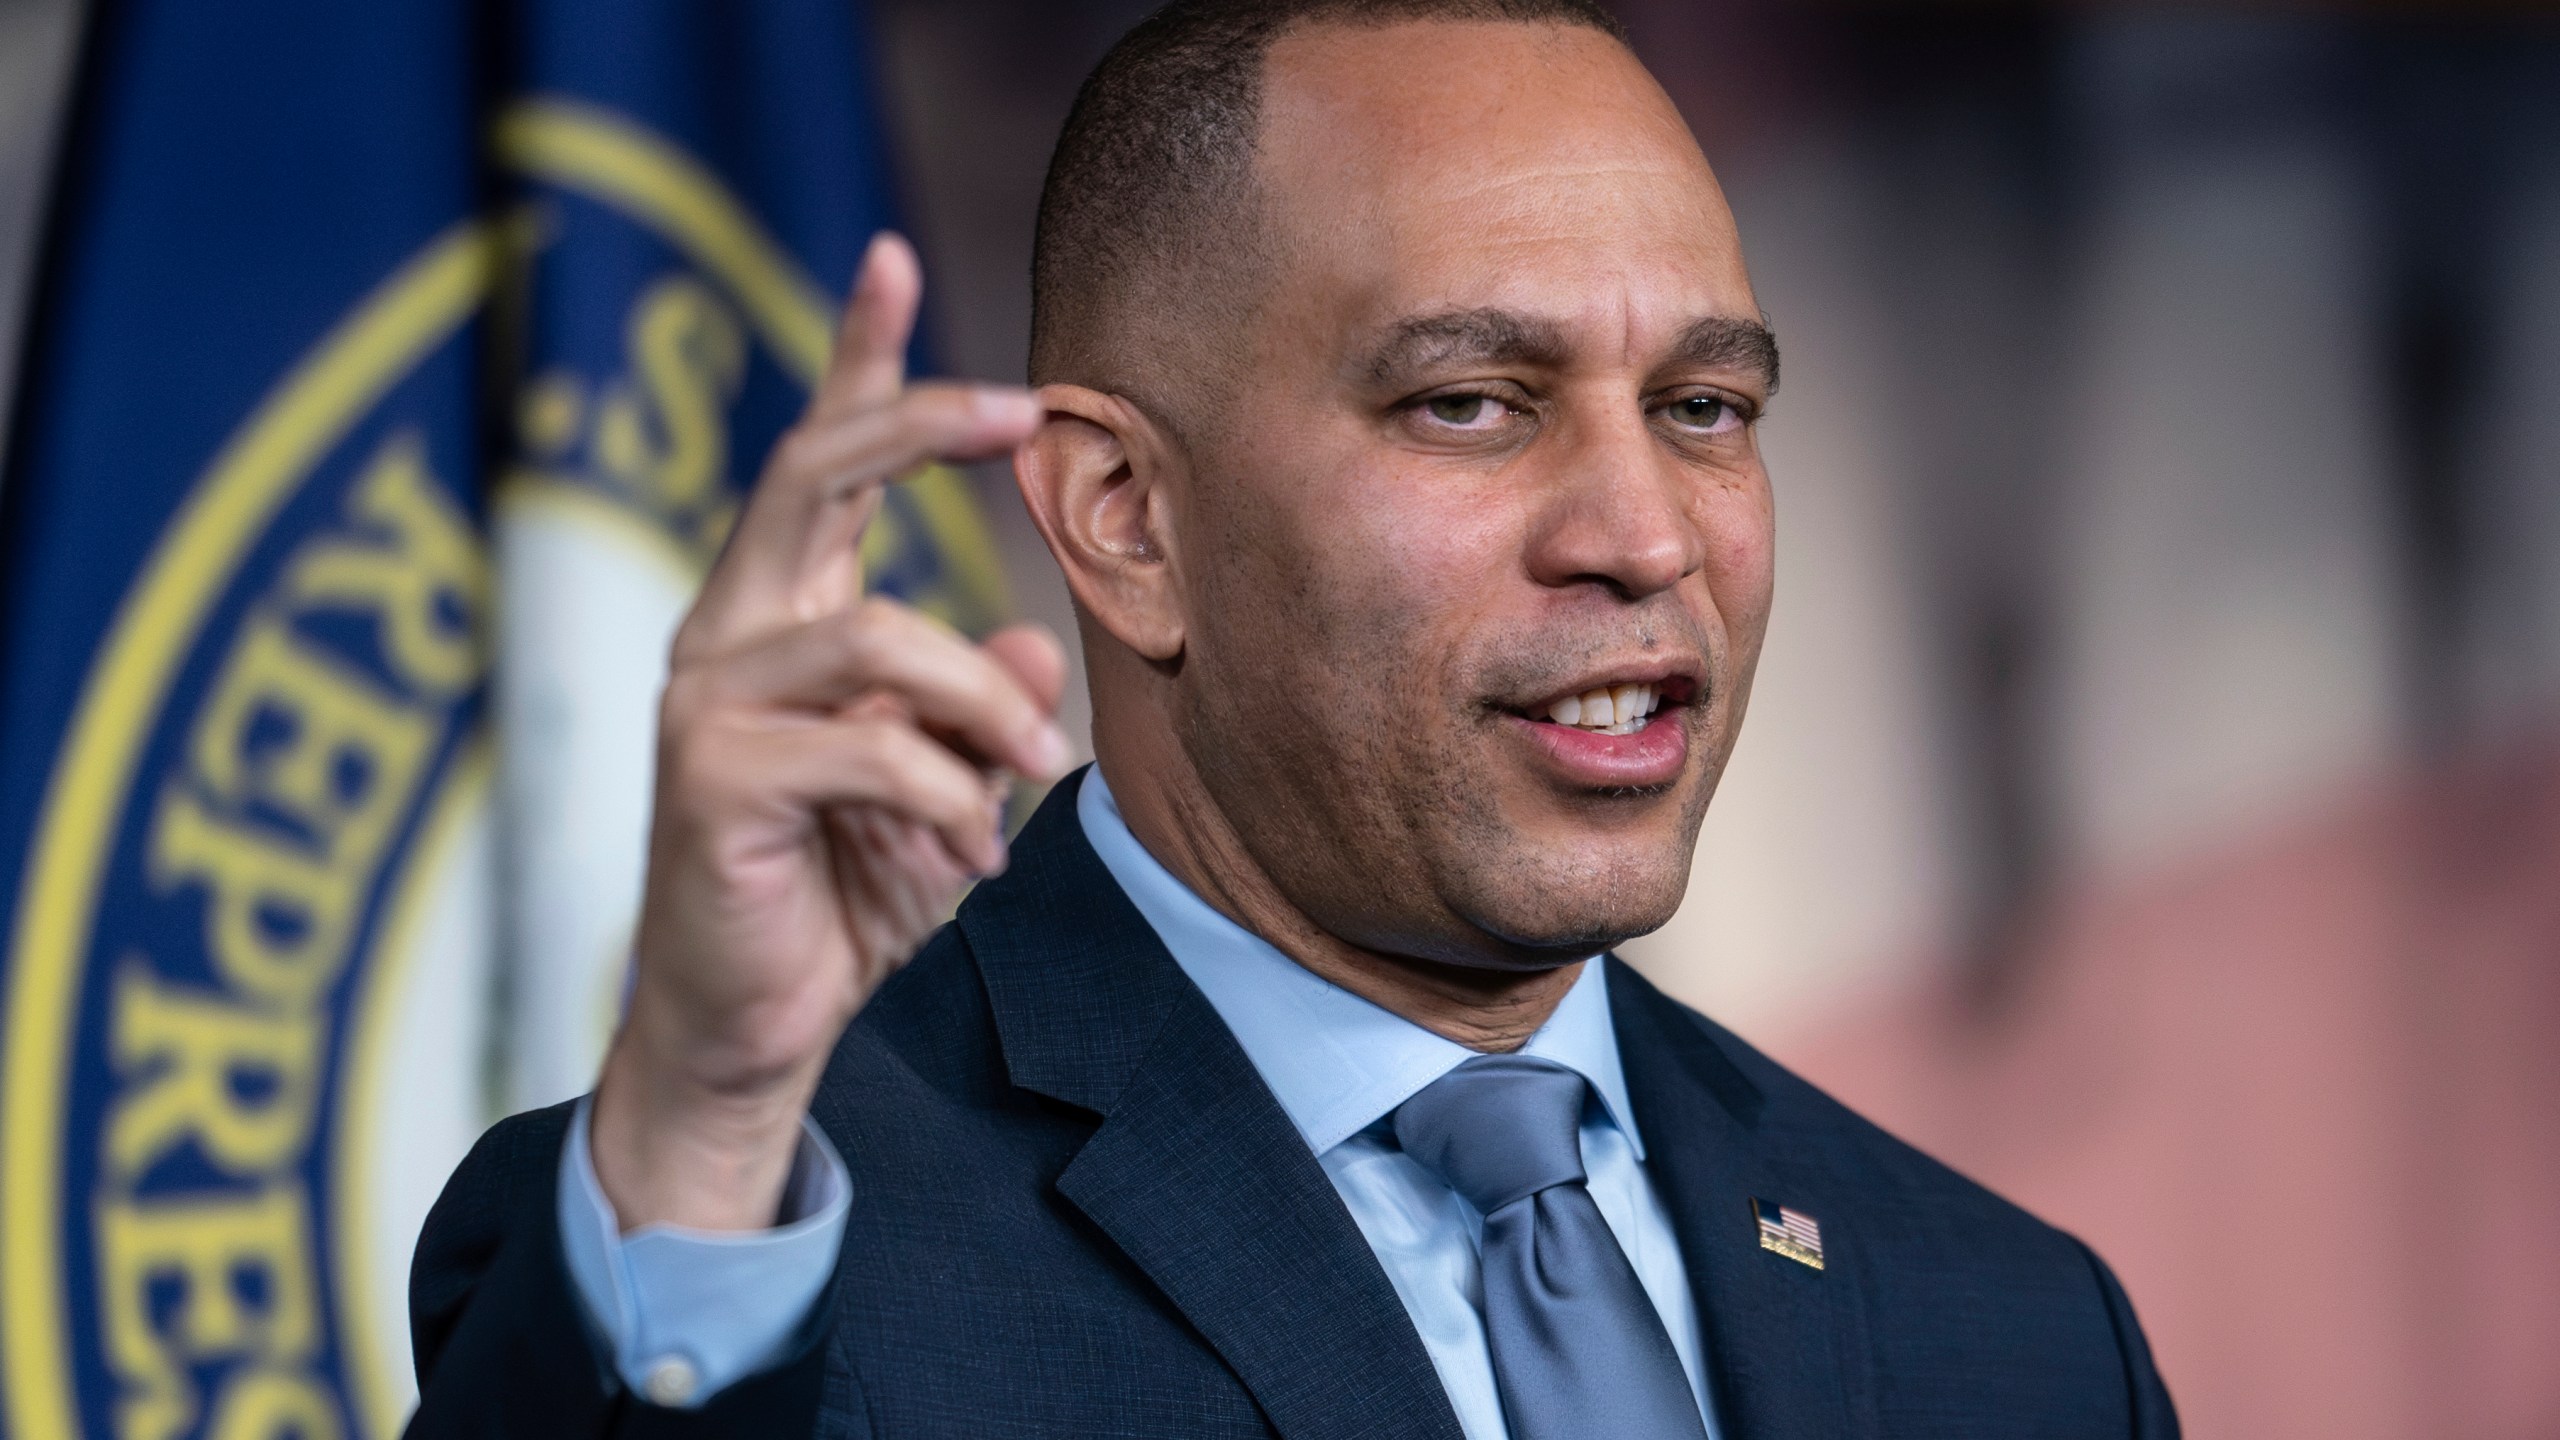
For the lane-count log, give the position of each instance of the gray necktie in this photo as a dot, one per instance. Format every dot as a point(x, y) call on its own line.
point(1578, 1349)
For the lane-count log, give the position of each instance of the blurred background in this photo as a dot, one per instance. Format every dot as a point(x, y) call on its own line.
point(2151, 798)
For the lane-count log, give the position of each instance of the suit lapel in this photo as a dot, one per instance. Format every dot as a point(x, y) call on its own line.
point(1785, 1343)
point(1204, 1182)
point(1195, 1172)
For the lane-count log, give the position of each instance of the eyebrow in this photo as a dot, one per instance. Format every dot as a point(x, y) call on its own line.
point(1497, 337)
point(1503, 337)
point(1722, 342)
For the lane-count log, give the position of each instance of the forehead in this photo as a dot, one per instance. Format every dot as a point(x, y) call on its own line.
point(1460, 165)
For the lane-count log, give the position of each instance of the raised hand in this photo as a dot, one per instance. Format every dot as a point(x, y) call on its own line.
point(831, 772)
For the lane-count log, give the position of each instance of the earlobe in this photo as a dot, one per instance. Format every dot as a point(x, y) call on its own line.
point(1095, 478)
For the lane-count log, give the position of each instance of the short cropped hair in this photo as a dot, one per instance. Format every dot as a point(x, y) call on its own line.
point(1151, 186)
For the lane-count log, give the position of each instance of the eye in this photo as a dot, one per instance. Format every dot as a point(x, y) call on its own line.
point(1705, 414)
point(1466, 411)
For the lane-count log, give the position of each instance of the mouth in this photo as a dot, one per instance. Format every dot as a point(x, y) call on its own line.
point(1606, 709)
point(1619, 734)
point(1613, 707)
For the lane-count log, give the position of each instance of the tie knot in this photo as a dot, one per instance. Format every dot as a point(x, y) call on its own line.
point(1498, 1128)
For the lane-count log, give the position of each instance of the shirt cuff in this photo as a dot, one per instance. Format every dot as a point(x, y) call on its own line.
point(687, 1313)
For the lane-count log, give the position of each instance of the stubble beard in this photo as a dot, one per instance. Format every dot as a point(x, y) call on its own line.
point(1383, 822)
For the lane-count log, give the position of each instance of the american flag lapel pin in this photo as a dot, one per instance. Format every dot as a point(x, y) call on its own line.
point(1791, 1233)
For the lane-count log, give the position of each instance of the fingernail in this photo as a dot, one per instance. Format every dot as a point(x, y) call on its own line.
point(1050, 751)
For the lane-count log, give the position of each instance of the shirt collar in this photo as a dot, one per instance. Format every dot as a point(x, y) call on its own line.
point(1336, 1062)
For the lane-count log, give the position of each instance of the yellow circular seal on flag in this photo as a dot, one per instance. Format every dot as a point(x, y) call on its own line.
point(263, 917)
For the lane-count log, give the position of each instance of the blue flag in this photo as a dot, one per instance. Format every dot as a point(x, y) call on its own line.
point(382, 349)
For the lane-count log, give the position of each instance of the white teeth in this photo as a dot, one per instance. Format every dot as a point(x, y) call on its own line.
point(1607, 710)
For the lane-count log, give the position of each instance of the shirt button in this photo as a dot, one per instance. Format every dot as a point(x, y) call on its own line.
point(671, 1381)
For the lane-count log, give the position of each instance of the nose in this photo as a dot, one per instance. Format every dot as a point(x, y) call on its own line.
point(1619, 513)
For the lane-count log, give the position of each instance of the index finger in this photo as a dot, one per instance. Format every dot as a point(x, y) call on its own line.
point(795, 551)
point(869, 361)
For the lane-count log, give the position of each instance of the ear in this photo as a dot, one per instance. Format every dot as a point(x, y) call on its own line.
point(1095, 476)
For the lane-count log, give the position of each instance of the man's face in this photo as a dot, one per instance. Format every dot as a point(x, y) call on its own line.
point(1492, 457)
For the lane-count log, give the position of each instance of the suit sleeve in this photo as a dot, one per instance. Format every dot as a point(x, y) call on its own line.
point(2154, 1418)
point(504, 1348)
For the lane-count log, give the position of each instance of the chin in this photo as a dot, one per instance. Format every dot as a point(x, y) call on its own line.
point(1562, 912)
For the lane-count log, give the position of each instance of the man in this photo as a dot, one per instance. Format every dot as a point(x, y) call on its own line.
point(1398, 371)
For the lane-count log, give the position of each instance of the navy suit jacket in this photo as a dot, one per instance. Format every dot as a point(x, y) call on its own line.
point(1078, 1211)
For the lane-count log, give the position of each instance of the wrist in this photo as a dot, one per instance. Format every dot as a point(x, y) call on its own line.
point(671, 1149)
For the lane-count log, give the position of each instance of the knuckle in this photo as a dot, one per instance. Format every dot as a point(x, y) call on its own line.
point(869, 632)
point(798, 452)
point(926, 773)
point(890, 741)
point(953, 810)
point(880, 612)
point(682, 702)
point(690, 759)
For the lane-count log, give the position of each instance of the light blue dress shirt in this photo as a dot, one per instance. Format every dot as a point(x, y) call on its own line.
point(687, 1313)
point(1339, 1067)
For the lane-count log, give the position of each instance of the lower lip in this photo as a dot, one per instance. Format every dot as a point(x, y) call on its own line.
point(1654, 755)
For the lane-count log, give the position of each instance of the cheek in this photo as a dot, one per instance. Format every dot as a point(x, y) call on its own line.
point(1340, 574)
point(1429, 555)
point(1741, 548)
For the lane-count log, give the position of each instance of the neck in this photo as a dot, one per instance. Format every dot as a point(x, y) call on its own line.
point(1481, 1007)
